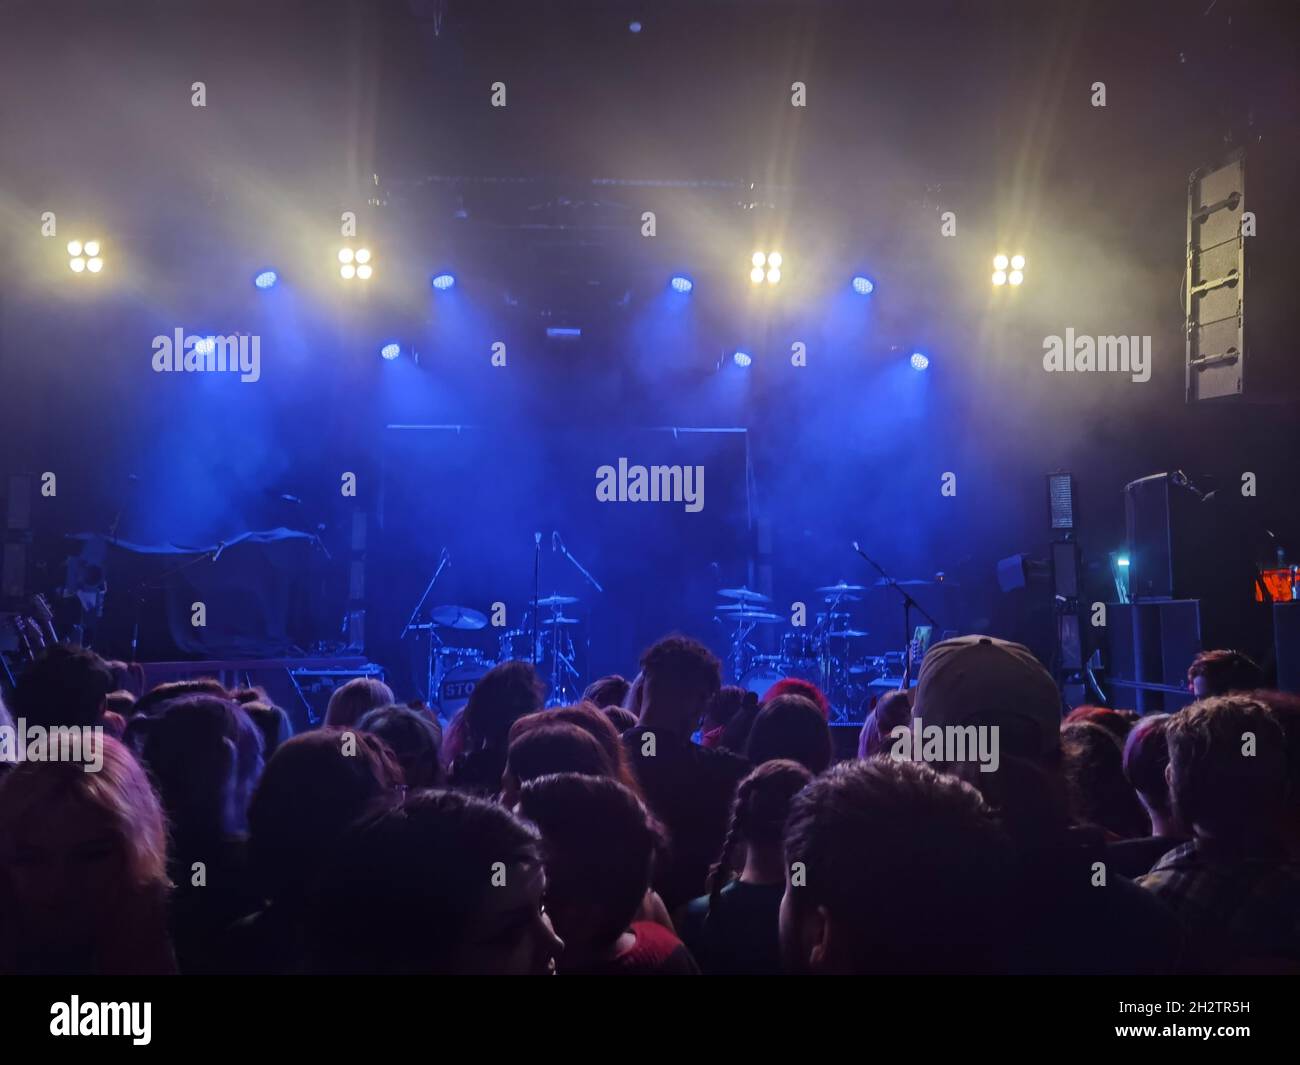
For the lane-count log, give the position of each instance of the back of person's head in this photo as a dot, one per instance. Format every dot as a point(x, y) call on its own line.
point(63, 686)
point(598, 723)
point(679, 677)
point(441, 883)
point(504, 694)
point(314, 786)
point(758, 815)
point(205, 755)
point(1116, 722)
point(79, 851)
point(1286, 709)
point(272, 722)
point(121, 702)
point(599, 844)
point(726, 704)
point(158, 696)
point(735, 733)
point(992, 683)
point(621, 718)
point(414, 737)
point(557, 747)
point(350, 701)
point(868, 842)
point(1227, 766)
point(1097, 791)
point(1222, 672)
point(607, 691)
point(791, 726)
point(1146, 757)
point(798, 686)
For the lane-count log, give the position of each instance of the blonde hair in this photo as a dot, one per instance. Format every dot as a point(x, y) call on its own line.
point(351, 700)
point(119, 788)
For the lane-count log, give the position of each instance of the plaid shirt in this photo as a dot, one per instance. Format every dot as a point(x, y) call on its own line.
point(1245, 908)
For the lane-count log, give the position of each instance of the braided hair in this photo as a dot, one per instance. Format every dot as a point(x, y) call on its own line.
point(758, 815)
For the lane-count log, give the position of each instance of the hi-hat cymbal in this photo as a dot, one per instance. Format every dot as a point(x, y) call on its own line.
point(458, 617)
point(759, 617)
point(554, 600)
point(843, 597)
point(841, 587)
point(745, 595)
point(882, 583)
point(560, 620)
point(847, 634)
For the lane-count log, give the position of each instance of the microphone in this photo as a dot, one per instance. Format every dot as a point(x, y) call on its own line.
point(445, 556)
point(537, 539)
point(556, 543)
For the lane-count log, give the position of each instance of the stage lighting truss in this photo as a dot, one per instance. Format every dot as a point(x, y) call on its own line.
point(766, 267)
point(355, 263)
point(85, 256)
point(1008, 270)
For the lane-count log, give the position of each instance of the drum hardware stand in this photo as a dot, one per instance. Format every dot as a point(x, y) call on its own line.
point(444, 560)
point(908, 604)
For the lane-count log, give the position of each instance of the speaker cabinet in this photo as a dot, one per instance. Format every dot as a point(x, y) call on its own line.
point(1150, 647)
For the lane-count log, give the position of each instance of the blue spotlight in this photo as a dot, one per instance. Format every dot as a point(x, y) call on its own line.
point(919, 361)
point(863, 286)
point(443, 282)
point(682, 284)
point(742, 359)
point(266, 279)
point(390, 351)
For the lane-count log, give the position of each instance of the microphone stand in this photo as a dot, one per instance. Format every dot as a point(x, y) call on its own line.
point(537, 588)
point(444, 560)
point(908, 604)
point(558, 543)
point(579, 566)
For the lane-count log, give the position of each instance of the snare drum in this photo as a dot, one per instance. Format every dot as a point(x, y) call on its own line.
point(457, 684)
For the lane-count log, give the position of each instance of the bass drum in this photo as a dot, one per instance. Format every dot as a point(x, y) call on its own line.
point(761, 676)
point(457, 684)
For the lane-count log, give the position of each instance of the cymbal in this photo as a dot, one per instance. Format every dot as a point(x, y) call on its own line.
point(831, 589)
point(553, 600)
point(847, 634)
point(843, 597)
point(759, 617)
point(559, 620)
point(745, 595)
point(458, 617)
point(882, 583)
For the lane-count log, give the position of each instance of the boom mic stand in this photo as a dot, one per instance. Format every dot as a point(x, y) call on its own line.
point(908, 604)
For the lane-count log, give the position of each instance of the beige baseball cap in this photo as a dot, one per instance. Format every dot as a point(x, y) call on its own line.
point(981, 680)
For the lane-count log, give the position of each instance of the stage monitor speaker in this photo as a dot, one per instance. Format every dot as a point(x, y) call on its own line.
point(1286, 641)
point(1151, 645)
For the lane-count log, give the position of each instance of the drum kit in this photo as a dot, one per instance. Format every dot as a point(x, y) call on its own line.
point(825, 651)
point(454, 670)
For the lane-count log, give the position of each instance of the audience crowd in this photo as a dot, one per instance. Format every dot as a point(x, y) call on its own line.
point(662, 825)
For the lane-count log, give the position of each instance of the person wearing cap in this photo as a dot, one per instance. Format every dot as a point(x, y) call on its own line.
point(1076, 915)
